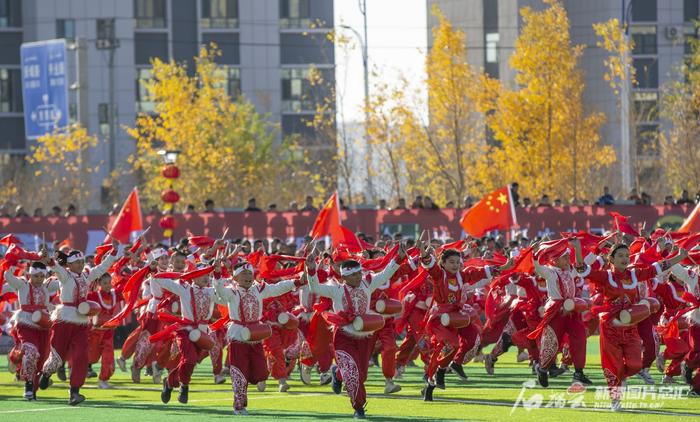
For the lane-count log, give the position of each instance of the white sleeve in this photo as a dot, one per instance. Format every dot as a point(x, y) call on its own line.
point(169, 285)
point(382, 277)
point(98, 271)
point(12, 281)
point(221, 291)
point(277, 289)
point(324, 290)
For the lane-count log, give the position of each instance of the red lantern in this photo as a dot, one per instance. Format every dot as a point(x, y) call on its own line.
point(170, 196)
point(171, 171)
point(167, 222)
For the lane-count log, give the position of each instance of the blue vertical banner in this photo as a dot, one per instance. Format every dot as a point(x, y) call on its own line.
point(44, 86)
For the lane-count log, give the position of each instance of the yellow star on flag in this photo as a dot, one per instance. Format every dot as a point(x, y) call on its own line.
point(502, 198)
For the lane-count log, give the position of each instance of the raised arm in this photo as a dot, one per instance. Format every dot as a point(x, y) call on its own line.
point(224, 293)
point(15, 282)
point(98, 271)
point(382, 277)
point(277, 289)
point(169, 285)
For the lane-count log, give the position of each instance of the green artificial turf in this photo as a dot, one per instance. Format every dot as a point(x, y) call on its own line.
point(483, 397)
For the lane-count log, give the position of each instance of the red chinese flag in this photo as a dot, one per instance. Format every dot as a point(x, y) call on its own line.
point(622, 224)
point(494, 211)
point(328, 219)
point(692, 223)
point(128, 220)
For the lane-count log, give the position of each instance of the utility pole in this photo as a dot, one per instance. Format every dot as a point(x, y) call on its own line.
point(107, 40)
point(625, 105)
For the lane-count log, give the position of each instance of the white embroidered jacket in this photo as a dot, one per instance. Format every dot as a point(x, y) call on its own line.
point(250, 301)
point(75, 287)
point(561, 284)
point(360, 296)
point(22, 288)
point(204, 300)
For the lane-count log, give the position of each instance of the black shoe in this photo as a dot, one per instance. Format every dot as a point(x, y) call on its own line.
point(44, 381)
point(425, 378)
point(375, 360)
point(555, 371)
point(506, 342)
point(29, 391)
point(582, 378)
point(149, 370)
point(427, 392)
point(542, 376)
point(694, 393)
point(440, 378)
point(184, 393)
point(687, 372)
point(336, 384)
point(457, 369)
point(90, 372)
point(359, 413)
point(166, 393)
point(75, 397)
point(61, 373)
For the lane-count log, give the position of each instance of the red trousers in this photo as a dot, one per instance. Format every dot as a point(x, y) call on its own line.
point(274, 347)
point(352, 357)
point(323, 355)
point(101, 345)
point(649, 342)
point(189, 353)
point(34, 348)
point(675, 351)
point(247, 364)
point(144, 348)
point(414, 338)
point(550, 340)
point(387, 339)
point(524, 324)
point(469, 342)
point(69, 341)
point(620, 354)
point(458, 344)
point(692, 359)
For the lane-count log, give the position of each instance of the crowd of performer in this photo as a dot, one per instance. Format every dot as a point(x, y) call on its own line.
point(259, 316)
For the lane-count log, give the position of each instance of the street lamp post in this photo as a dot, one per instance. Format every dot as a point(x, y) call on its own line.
point(625, 104)
point(368, 146)
point(169, 196)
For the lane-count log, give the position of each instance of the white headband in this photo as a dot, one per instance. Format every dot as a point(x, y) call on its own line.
point(349, 271)
point(34, 270)
point(73, 258)
point(160, 252)
point(242, 268)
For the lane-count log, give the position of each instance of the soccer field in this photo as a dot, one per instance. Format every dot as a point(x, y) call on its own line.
point(483, 398)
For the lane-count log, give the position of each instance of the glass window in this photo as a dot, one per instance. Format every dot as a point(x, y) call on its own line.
point(295, 14)
point(646, 107)
point(644, 38)
point(150, 13)
point(647, 72)
point(490, 15)
point(5, 16)
point(647, 139)
point(643, 10)
point(230, 79)
point(65, 28)
point(295, 83)
point(690, 10)
point(219, 14)
point(103, 118)
point(492, 48)
point(144, 100)
point(689, 34)
point(10, 91)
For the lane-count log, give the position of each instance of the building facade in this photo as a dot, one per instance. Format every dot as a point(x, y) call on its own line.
point(659, 29)
point(267, 48)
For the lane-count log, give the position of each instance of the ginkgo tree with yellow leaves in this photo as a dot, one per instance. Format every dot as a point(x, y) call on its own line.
point(228, 151)
point(548, 140)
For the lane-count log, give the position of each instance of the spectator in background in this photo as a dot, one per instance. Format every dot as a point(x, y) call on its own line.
point(4, 211)
point(71, 210)
point(382, 204)
point(189, 209)
point(20, 212)
point(646, 198)
point(685, 198)
point(209, 205)
point(557, 203)
point(606, 198)
point(428, 204)
point(585, 202)
point(343, 207)
point(252, 206)
point(154, 210)
point(450, 204)
point(668, 200)
point(272, 208)
point(38, 212)
point(56, 211)
point(527, 202)
point(293, 206)
point(401, 204)
point(514, 193)
point(468, 202)
point(309, 206)
point(418, 202)
point(544, 201)
point(697, 197)
point(635, 197)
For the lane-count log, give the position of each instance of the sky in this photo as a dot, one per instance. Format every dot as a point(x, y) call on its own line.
point(397, 35)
